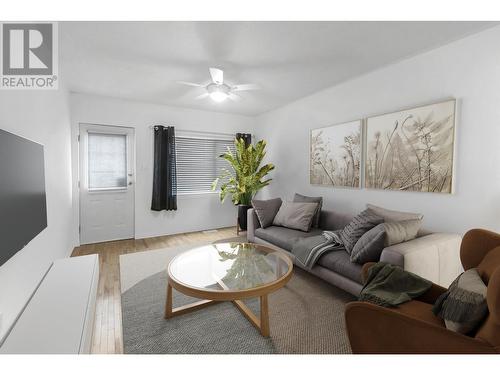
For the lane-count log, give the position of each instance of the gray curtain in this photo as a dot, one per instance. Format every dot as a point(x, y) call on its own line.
point(165, 171)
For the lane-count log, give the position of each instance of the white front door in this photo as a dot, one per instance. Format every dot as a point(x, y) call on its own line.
point(106, 183)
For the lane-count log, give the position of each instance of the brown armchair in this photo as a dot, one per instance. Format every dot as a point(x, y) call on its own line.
point(413, 328)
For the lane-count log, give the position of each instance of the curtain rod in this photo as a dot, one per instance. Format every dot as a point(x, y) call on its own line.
point(195, 131)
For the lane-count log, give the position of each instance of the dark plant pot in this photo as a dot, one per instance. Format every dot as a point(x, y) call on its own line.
point(242, 215)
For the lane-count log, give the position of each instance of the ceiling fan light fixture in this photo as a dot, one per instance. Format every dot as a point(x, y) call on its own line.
point(218, 93)
point(218, 96)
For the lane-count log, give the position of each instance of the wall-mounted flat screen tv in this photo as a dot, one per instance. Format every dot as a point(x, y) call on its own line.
point(23, 206)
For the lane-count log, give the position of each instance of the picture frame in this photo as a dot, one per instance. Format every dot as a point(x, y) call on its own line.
point(335, 157)
point(412, 149)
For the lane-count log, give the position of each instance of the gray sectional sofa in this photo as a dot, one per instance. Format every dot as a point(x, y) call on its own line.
point(434, 256)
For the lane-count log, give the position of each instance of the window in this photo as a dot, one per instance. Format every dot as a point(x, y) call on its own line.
point(198, 162)
point(107, 161)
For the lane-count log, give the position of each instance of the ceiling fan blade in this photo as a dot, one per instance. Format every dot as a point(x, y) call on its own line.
point(202, 96)
point(246, 87)
point(190, 84)
point(217, 75)
point(234, 97)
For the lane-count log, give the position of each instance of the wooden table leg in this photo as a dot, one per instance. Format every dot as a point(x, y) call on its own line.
point(168, 303)
point(261, 324)
point(170, 312)
point(264, 316)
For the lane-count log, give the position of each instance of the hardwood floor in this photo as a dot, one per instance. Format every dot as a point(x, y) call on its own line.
point(108, 337)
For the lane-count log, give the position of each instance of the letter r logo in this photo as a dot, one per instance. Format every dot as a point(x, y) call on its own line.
point(27, 49)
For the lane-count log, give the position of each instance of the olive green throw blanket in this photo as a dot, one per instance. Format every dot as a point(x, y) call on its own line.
point(389, 285)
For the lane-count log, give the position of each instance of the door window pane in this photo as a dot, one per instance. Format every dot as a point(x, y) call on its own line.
point(107, 161)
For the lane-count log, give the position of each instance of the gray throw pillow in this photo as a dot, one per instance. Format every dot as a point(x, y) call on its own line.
point(358, 226)
point(401, 231)
point(463, 307)
point(319, 200)
point(295, 215)
point(369, 246)
point(266, 210)
point(390, 215)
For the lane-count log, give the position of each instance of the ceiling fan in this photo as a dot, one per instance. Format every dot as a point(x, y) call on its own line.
point(219, 91)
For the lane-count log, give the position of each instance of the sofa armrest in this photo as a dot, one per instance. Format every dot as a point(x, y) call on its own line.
point(374, 329)
point(432, 294)
point(435, 257)
point(252, 224)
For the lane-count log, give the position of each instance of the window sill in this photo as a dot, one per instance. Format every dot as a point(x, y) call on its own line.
point(207, 194)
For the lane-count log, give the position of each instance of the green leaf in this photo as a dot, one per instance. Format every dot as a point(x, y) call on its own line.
point(215, 183)
point(243, 177)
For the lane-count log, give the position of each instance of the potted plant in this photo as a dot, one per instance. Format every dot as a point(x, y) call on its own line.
point(245, 177)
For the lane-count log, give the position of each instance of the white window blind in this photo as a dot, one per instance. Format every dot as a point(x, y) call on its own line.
point(198, 162)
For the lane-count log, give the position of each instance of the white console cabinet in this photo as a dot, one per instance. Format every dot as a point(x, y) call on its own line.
point(59, 318)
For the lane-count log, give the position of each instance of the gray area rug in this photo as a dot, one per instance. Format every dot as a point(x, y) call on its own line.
point(306, 317)
point(215, 329)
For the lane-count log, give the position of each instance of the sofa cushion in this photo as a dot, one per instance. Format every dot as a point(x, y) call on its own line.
point(333, 220)
point(390, 215)
point(339, 261)
point(319, 200)
point(358, 226)
point(284, 237)
point(369, 246)
point(266, 210)
point(401, 231)
point(296, 215)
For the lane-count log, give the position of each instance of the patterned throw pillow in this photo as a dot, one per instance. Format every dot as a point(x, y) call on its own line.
point(358, 226)
point(464, 305)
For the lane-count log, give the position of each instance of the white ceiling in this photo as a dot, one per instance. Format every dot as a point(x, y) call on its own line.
point(289, 60)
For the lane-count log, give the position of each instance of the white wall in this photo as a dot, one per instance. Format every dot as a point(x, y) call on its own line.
point(468, 70)
point(41, 116)
point(195, 212)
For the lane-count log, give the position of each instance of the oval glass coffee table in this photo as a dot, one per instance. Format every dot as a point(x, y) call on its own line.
point(228, 272)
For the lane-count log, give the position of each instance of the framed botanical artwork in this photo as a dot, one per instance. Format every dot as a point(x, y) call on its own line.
point(412, 150)
point(335, 155)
